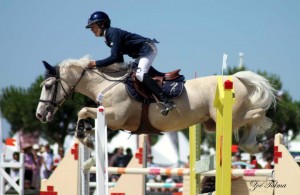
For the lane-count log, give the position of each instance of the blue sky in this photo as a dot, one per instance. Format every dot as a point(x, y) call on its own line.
point(193, 35)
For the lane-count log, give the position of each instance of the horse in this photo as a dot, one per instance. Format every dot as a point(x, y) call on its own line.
point(254, 95)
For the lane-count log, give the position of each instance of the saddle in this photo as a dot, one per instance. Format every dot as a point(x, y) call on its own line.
point(172, 84)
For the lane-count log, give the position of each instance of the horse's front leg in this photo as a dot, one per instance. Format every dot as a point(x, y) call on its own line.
point(83, 127)
point(87, 112)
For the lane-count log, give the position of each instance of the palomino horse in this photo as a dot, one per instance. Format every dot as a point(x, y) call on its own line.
point(253, 93)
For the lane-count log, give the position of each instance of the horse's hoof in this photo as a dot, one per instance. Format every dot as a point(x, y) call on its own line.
point(80, 124)
point(89, 163)
point(80, 129)
point(80, 134)
point(88, 126)
point(261, 148)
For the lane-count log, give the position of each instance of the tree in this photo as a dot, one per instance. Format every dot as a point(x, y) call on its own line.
point(18, 106)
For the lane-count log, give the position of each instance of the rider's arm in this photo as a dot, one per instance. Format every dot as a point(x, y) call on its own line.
point(114, 41)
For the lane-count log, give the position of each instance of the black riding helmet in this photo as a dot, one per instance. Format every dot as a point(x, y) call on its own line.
point(99, 18)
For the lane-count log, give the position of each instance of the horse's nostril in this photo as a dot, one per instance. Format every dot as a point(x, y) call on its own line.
point(39, 116)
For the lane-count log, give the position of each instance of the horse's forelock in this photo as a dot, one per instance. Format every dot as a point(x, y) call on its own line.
point(44, 81)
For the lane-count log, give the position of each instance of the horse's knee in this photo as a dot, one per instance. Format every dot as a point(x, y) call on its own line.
point(82, 114)
point(87, 112)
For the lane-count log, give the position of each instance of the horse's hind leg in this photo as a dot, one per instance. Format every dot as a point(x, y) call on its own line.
point(255, 123)
point(248, 142)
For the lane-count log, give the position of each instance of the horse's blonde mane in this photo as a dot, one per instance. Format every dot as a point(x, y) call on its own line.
point(82, 62)
point(74, 66)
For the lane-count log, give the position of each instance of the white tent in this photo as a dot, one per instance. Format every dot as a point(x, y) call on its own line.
point(165, 152)
point(123, 139)
point(294, 146)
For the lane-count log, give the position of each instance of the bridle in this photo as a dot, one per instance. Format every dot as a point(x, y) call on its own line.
point(67, 94)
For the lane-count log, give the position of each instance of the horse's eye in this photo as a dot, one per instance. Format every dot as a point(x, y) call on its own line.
point(48, 87)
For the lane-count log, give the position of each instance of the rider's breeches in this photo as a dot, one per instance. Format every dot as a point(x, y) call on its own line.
point(144, 63)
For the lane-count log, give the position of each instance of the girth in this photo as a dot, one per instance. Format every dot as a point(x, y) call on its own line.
point(145, 127)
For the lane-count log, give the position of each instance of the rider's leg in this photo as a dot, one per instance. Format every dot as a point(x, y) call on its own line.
point(157, 91)
point(144, 63)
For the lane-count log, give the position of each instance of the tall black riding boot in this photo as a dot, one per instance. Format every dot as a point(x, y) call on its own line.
point(157, 91)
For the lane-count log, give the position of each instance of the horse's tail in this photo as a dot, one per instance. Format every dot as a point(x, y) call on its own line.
point(261, 91)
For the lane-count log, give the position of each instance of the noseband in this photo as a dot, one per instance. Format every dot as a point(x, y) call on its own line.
point(67, 95)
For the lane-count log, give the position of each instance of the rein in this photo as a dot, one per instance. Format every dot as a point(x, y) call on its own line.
point(116, 82)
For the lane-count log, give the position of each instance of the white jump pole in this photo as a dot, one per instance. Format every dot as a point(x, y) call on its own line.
point(84, 178)
point(101, 152)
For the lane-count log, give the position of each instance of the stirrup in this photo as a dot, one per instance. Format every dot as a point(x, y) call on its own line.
point(168, 107)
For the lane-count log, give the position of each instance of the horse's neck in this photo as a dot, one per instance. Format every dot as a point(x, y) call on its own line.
point(92, 84)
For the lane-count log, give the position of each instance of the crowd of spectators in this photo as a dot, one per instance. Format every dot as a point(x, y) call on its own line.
point(39, 163)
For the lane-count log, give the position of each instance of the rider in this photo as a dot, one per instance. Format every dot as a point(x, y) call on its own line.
point(142, 49)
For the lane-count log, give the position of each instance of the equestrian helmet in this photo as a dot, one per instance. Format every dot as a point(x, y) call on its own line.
point(100, 18)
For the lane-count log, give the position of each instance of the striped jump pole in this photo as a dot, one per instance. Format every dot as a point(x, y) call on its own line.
point(147, 171)
point(184, 171)
point(223, 102)
point(149, 185)
point(244, 172)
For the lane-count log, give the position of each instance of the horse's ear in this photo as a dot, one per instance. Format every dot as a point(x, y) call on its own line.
point(51, 71)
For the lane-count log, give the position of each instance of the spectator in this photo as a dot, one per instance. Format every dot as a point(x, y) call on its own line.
point(254, 162)
point(29, 165)
point(14, 173)
point(238, 158)
point(58, 158)
point(269, 163)
point(128, 156)
point(46, 169)
point(150, 163)
point(117, 160)
point(38, 161)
